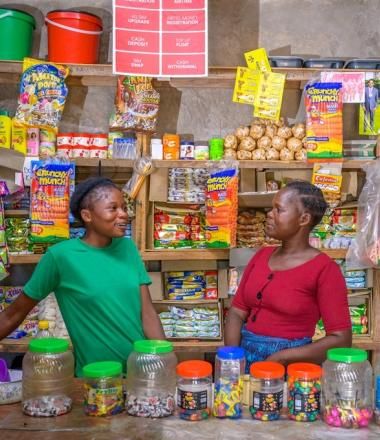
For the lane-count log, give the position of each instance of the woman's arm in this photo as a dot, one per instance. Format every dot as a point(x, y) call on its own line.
point(232, 328)
point(151, 322)
point(315, 352)
point(15, 314)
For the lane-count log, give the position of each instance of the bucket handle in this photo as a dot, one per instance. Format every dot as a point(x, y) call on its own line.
point(68, 28)
point(6, 14)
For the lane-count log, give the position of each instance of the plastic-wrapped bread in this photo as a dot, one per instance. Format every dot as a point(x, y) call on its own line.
point(247, 144)
point(294, 144)
point(230, 142)
point(278, 143)
point(265, 142)
point(272, 154)
point(241, 132)
point(271, 131)
point(229, 154)
point(258, 154)
point(301, 155)
point(286, 154)
point(244, 155)
point(285, 132)
point(299, 131)
point(257, 131)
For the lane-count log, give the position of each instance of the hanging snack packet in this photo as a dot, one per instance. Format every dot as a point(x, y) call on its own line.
point(328, 177)
point(50, 195)
point(136, 104)
point(221, 205)
point(43, 94)
point(324, 121)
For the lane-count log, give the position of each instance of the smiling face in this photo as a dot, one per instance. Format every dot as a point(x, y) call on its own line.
point(287, 216)
point(106, 217)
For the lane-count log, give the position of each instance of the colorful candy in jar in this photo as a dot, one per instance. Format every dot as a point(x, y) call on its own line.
point(347, 384)
point(194, 390)
point(228, 392)
point(266, 390)
point(304, 390)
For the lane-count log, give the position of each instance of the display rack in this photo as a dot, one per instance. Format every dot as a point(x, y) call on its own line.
point(219, 77)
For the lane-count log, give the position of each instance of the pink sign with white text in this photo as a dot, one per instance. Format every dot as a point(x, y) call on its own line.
point(160, 38)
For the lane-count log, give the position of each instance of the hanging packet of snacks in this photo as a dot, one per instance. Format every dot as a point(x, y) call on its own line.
point(364, 251)
point(222, 205)
point(324, 121)
point(50, 198)
point(136, 104)
point(3, 248)
point(43, 93)
point(328, 177)
point(268, 100)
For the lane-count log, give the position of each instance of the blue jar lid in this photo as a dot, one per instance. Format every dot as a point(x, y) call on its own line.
point(230, 353)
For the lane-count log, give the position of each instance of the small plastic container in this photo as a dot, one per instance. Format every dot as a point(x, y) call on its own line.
point(48, 372)
point(370, 63)
point(151, 379)
point(170, 146)
point(324, 63)
point(194, 390)
point(266, 390)
point(304, 391)
point(286, 61)
point(228, 392)
point(43, 329)
point(156, 149)
point(347, 386)
point(216, 148)
point(103, 389)
point(201, 150)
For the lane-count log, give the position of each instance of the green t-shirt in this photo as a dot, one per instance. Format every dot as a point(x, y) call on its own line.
point(98, 292)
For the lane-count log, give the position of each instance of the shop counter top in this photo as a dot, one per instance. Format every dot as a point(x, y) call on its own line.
point(77, 426)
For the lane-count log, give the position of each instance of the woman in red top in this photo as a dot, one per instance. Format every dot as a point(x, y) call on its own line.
point(285, 290)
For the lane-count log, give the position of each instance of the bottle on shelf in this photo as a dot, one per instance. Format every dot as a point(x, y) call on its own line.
point(43, 330)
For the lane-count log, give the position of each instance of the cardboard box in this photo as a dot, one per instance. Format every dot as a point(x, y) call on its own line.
point(156, 289)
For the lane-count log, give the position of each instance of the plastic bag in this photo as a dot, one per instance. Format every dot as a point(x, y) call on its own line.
point(364, 251)
point(142, 168)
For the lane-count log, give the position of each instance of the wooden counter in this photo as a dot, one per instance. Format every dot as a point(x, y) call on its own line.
point(77, 426)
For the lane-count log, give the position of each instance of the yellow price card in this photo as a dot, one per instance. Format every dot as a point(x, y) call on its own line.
point(246, 85)
point(258, 60)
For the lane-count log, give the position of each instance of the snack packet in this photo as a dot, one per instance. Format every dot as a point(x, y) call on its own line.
point(43, 94)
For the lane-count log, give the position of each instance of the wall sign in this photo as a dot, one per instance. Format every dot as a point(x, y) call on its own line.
point(160, 38)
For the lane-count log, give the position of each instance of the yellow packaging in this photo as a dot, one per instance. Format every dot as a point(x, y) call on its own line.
point(258, 60)
point(19, 137)
point(246, 85)
point(328, 178)
point(5, 130)
point(268, 100)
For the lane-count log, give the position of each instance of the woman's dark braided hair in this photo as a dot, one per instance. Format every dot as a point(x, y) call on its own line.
point(311, 198)
point(87, 193)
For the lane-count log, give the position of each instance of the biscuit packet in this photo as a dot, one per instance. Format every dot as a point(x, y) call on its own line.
point(136, 104)
point(328, 177)
point(43, 93)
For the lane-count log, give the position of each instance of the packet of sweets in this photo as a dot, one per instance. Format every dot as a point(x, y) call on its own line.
point(43, 94)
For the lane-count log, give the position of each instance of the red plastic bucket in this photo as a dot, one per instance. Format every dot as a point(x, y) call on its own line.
point(73, 37)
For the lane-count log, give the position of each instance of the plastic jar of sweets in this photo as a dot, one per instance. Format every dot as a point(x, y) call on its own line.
point(194, 390)
point(229, 371)
point(347, 388)
point(151, 379)
point(48, 372)
point(103, 389)
point(266, 390)
point(304, 391)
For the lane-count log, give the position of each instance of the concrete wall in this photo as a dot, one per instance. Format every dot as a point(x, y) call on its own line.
point(344, 28)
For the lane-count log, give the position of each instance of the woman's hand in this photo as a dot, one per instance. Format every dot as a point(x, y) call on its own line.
point(314, 352)
point(152, 326)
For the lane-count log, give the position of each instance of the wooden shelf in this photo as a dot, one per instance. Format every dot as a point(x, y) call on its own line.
point(16, 213)
point(255, 164)
point(24, 259)
point(186, 254)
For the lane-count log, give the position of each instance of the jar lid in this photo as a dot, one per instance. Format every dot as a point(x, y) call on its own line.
point(304, 370)
point(102, 369)
point(230, 353)
point(267, 370)
point(347, 355)
point(48, 345)
point(153, 346)
point(194, 369)
point(43, 325)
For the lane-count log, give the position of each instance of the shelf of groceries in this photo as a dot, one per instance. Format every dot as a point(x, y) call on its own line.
point(218, 76)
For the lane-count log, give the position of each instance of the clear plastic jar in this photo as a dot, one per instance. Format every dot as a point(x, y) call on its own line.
point(347, 388)
point(194, 390)
point(48, 372)
point(304, 391)
point(103, 389)
point(266, 390)
point(151, 379)
point(228, 393)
